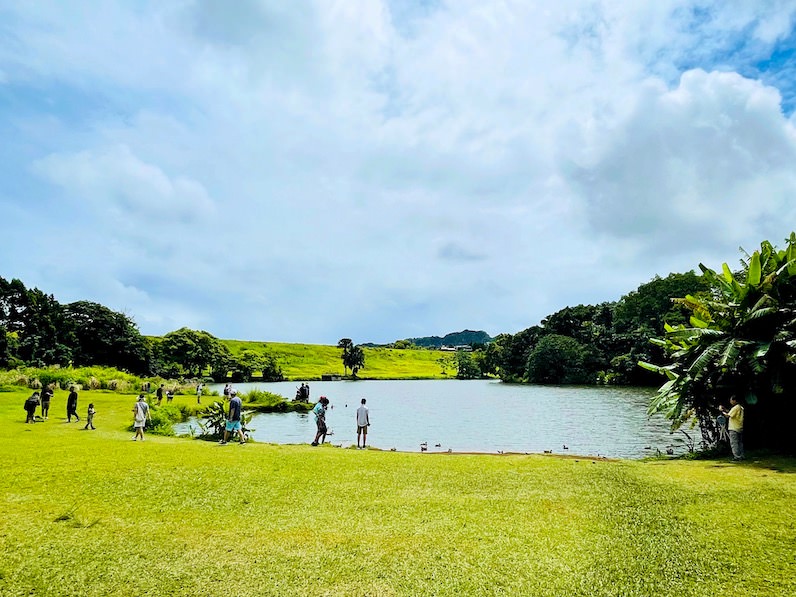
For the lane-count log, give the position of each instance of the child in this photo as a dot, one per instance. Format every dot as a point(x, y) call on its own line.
point(169, 396)
point(90, 417)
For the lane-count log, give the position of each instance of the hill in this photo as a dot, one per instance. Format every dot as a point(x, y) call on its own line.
point(311, 361)
point(453, 339)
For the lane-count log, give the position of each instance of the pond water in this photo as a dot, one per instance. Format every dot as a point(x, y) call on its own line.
point(476, 416)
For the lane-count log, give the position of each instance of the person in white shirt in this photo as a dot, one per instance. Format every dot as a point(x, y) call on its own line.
point(363, 421)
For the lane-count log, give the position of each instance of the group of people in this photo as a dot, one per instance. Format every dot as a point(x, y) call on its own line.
point(362, 419)
point(42, 399)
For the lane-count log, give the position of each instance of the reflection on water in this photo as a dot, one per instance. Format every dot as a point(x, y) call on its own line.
point(478, 416)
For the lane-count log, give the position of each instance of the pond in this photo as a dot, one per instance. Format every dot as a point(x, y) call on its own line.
point(477, 416)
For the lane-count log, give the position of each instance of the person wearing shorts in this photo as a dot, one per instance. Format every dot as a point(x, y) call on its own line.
point(140, 416)
point(233, 424)
point(46, 395)
point(363, 422)
point(320, 420)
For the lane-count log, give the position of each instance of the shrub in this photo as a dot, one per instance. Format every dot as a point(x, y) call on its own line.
point(163, 419)
point(214, 419)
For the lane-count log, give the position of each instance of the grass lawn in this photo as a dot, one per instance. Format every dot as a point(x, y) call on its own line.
point(310, 361)
point(93, 513)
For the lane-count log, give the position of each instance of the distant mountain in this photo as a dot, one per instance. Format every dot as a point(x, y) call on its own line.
point(453, 339)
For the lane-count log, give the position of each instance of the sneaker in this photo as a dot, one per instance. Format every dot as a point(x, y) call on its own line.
point(314, 444)
point(222, 443)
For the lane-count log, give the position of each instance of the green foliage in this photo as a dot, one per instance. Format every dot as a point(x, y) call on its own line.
point(353, 356)
point(740, 342)
point(191, 352)
point(214, 419)
point(558, 360)
point(99, 336)
point(262, 401)
point(163, 419)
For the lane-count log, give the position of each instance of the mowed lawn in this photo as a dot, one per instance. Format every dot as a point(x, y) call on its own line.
point(93, 513)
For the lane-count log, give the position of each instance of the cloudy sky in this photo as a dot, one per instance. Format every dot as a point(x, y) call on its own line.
point(381, 169)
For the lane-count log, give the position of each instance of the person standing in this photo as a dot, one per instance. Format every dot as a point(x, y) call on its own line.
point(735, 427)
point(71, 405)
point(320, 420)
point(363, 422)
point(233, 419)
point(30, 407)
point(159, 394)
point(46, 395)
point(90, 417)
point(140, 416)
point(199, 388)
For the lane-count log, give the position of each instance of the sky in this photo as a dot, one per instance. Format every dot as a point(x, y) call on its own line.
point(383, 169)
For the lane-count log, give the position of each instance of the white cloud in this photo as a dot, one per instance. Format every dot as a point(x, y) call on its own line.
point(307, 171)
point(118, 182)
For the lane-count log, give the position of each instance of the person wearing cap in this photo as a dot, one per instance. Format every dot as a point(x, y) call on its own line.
point(140, 416)
point(320, 419)
point(233, 418)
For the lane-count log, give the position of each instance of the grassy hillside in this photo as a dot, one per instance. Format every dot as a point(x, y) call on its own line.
point(93, 513)
point(310, 361)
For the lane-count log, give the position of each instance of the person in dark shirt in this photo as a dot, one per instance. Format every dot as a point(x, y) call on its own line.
point(234, 418)
point(46, 395)
point(30, 407)
point(159, 394)
point(71, 405)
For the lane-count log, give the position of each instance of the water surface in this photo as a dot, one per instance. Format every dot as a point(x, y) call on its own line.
point(477, 416)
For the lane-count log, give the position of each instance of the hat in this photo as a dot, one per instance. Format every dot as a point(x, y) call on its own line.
point(140, 397)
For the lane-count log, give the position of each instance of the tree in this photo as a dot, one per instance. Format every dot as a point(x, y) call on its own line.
point(557, 359)
point(740, 341)
point(356, 359)
point(195, 351)
point(651, 305)
point(100, 336)
point(466, 366)
point(346, 344)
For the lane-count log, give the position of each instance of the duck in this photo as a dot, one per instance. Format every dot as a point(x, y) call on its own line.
point(566, 447)
point(424, 444)
point(450, 451)
point(548, 451)
point(669, 451)
point(423, 448)
point(437, 445)
point(392, 449)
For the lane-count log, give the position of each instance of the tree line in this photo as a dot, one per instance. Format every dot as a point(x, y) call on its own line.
point(38, 331)
point(587, 344)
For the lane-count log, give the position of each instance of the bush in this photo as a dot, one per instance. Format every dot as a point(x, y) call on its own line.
point(163, 419)
point(214, 419)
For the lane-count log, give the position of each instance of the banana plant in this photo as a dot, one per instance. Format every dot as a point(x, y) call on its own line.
point(740, 341)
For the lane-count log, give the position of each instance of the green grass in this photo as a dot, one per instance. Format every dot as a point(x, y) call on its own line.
point(92, 513)
point(310, 361)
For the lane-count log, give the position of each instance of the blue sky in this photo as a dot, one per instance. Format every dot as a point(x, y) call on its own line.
point(378, 170)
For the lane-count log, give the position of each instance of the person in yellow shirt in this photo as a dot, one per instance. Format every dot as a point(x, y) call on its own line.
point(735, 427)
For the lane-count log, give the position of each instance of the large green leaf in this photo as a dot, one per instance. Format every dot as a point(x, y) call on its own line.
point(753, 274)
